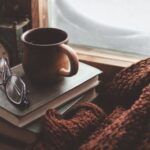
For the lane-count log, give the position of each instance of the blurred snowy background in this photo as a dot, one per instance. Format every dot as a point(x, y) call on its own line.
point(122, 25)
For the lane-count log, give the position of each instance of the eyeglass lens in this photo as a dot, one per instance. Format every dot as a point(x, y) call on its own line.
point(4, 70)
point(14, 86)
point(15, 89)
point(2, 64)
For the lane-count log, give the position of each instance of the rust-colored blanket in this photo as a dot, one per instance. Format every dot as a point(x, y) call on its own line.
point(88, 127)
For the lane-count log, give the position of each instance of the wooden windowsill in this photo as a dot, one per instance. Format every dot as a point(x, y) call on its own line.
point(106, 57)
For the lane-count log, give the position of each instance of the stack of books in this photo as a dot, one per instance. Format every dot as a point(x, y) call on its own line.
point(24, 126)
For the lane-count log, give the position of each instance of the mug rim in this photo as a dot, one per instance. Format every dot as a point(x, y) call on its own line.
point(23, 36)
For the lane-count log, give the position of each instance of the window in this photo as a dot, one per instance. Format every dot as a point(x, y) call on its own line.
point(112, 24)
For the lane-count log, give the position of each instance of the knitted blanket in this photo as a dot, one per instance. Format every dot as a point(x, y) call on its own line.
point(88, 127)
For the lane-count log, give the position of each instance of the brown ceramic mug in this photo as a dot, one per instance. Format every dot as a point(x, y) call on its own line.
point(47, 57)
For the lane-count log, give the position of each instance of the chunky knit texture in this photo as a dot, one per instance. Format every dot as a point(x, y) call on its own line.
point(87, 127)
point(69, 132)
point(124, 132)
point(127, 85)
point(144, 143)
point(108, 120)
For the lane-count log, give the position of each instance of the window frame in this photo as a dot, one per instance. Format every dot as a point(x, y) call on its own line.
point(39, 13)
point(39, 9)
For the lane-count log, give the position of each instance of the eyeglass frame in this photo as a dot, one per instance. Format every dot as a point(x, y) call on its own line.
point(24, 102)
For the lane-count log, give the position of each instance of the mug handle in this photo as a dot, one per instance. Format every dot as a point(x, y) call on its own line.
point(73, 58)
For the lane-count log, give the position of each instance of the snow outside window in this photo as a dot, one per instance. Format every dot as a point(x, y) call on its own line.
point(122, 25)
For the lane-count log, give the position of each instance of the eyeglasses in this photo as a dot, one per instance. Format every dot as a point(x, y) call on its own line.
point(15, 88)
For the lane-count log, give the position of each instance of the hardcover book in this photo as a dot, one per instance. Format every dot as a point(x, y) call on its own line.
point(29, 134)
point(44, 97)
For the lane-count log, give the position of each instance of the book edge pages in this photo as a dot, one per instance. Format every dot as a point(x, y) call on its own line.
point(22, 121)
point(54, 104)
point(29, 134)
point(86, 72)
point(90, 95)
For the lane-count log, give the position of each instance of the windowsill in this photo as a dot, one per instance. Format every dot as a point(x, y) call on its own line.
point(105, 56)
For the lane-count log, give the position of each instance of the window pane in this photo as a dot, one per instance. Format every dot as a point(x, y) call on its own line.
point(113, 24)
